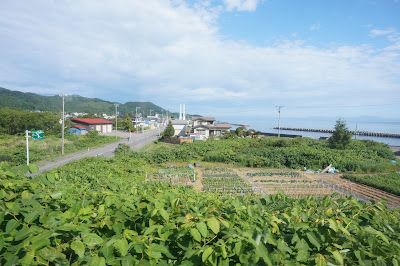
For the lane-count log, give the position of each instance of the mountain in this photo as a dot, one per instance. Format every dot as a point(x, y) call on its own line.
point(73, 103)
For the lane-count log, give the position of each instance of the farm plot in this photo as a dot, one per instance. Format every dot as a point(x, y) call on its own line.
point(175, 175)
point(360, 189)
point(292, 183)
point(225, 181)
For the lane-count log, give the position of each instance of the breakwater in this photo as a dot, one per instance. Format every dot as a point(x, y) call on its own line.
point(357, 133)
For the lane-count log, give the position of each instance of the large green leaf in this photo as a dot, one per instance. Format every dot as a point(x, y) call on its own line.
point(92, 239)
point(202, 227)
point(213, 223)
point(122, 246)
point(206, 254)
point(22, 234)
point(314, 240)
point(11, 225)
point(78, 247)
point(195, 234)
point(338, 257)
point(320, 260)
point(33, 168)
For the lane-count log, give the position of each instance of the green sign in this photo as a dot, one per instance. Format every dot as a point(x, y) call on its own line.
point(37, 134)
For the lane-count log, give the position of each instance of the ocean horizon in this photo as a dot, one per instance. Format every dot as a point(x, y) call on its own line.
point(266, 125)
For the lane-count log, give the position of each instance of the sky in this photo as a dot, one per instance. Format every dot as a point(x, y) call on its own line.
point(234, 59)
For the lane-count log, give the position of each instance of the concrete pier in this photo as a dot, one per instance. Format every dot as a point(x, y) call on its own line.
point(357, 133)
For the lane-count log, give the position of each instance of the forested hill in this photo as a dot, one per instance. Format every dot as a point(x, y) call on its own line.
point(33, 102)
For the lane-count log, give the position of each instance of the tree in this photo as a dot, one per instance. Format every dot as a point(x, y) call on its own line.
point(169, 130)
point(341, 137)
point(239, 131)
point(127, 124)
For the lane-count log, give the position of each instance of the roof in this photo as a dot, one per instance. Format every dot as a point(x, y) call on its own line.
point(78, 126)
point(203, 118)
point(179, 122)
point(91, 121)
point(220, 126)
point(215, 126)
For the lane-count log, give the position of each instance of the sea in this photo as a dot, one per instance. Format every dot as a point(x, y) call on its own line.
point(266, 125)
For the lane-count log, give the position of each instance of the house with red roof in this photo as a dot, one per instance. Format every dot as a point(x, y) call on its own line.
point(98, 124)
point(77, 130)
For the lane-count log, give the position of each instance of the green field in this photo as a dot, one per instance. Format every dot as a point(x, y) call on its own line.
point(13, 148)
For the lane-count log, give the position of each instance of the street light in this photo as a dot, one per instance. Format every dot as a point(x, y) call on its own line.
point(116, 119)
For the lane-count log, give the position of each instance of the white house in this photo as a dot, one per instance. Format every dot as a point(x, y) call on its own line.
point(206, 126)
point(179, 126)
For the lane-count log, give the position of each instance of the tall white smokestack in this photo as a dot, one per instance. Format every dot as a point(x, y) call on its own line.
point(180, 111)
point(184, 112)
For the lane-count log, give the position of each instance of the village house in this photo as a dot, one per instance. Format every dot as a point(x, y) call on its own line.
point(77, 130)
point(207, 127)
point(98, 124)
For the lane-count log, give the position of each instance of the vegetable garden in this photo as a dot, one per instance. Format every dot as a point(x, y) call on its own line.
point(174, 175)
point(225, 181)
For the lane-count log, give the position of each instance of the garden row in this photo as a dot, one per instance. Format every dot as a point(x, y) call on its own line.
point(386, 182)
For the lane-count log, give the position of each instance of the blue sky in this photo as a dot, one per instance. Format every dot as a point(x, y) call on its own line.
point(226, 58)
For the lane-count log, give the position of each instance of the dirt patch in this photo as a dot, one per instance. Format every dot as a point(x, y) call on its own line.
point(198, 185)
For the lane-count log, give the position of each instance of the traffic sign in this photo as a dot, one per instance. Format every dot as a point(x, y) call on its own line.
point(37, 134)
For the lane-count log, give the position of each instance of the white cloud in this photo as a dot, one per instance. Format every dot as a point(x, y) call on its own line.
point(169, 53)
point(241, 5)
point(316, 26)
point(376, 32)
point(392, 36)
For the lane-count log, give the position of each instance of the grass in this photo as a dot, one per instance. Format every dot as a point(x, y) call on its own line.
point(13, 148)
point(152, 146)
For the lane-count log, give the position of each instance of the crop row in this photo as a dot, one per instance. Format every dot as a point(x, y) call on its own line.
point(287, 174)
point(283, 181)
point(386, 182)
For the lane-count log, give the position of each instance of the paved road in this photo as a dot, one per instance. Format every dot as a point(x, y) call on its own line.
point(135, 142)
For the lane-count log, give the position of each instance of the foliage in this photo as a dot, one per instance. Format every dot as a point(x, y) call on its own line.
point(123, 148)
point(14, 122)
point(13, 148)
point(127, 124)
point(230, 135)
point(278, 152)
point(169, 130)
point(386, 182)
point(239, 131)
point(93, 212)
point(341, 137)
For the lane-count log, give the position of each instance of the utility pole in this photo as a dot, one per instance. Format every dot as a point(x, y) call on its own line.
point(279, 120)
point(27, 147)
point(63, 127)
point(116, 119)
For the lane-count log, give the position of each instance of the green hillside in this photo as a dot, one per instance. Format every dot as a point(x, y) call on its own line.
point(32, 102)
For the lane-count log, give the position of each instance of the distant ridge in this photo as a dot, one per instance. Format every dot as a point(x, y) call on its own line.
point(73, 103)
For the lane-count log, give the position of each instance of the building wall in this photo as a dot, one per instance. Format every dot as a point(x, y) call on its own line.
point(77, 131)
point(179, 130)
